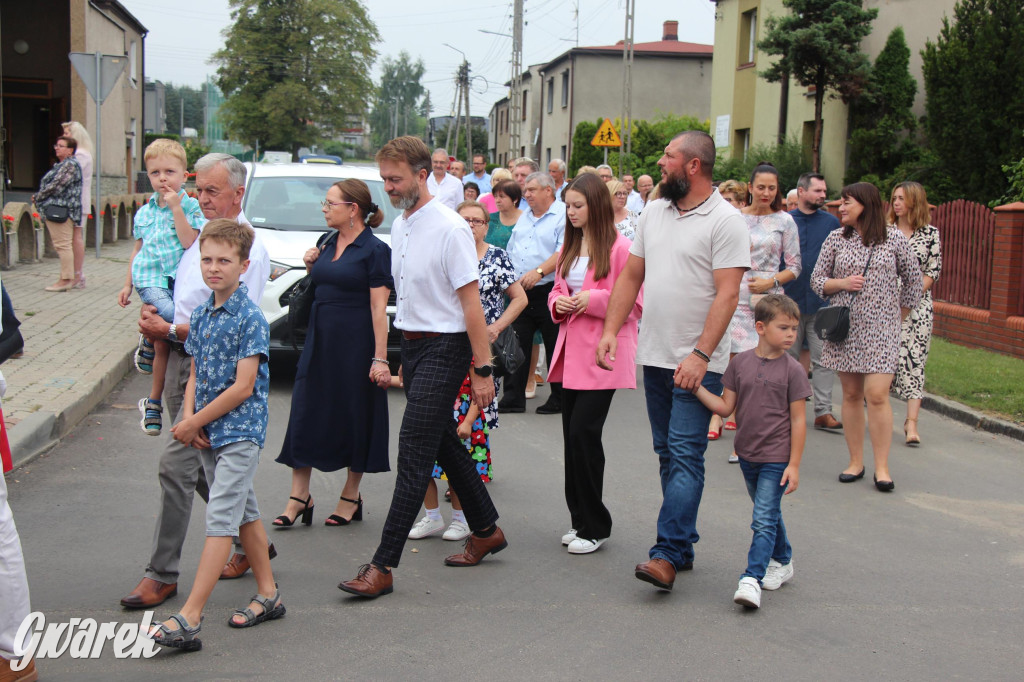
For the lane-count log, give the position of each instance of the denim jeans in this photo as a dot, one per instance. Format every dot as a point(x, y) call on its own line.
point(769, 541)
point(679, 426)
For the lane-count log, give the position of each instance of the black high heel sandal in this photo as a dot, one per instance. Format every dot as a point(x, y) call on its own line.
point(335, 520)
point(306, 512)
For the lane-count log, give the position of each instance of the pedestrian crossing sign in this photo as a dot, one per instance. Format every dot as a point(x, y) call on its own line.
point(606, 136)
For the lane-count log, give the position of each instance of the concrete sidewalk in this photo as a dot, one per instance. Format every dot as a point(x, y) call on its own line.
point(78, 346)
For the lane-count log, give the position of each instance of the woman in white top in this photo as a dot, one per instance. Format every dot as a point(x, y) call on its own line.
point(625, 220)
point(84, 157)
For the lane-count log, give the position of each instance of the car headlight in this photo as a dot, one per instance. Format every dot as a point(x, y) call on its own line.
point(277, 269)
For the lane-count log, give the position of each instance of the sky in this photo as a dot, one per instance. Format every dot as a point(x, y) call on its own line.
point(183, 35)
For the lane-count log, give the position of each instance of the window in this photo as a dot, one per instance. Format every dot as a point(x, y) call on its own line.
point(525, 93)
point(563, 157)
point(548, 156)
point(742, 144)
point(551, 94)
point(748, 37)
point(565, 89)
point(133, 64)
point(134, 137)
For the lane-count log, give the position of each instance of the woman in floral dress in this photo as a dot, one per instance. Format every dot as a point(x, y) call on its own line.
point(877, 262)
point(773, 239)
point(909, 211)
point(497, 279)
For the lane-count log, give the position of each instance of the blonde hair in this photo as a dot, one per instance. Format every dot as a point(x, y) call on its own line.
point(586, 169)
point(919, 213)
point(614, 186)
point(77, 130)
point(165, 147)
point(499, 174)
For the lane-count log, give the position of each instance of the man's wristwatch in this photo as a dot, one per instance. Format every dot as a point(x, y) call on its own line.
point(540, 271)
point(172, 333)
point(483, 370)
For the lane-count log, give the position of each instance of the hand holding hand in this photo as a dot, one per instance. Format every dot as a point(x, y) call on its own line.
point(380, 374)
point(187, 431)
point(492, 332)
point(483, 390)
point(465, 429)
point(690, 373)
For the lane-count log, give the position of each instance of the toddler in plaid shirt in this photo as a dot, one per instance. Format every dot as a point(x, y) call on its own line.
point(163, 228)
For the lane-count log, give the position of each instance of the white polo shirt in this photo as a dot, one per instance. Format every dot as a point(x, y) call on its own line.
point(190, 290)
point(449, 191)
point(433, 254)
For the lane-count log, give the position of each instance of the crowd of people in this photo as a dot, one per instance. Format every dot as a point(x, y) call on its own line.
point(587, 268)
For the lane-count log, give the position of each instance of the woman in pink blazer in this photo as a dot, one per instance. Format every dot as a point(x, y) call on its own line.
point(593, 254)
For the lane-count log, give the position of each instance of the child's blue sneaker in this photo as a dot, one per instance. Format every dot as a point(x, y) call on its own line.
point(152, 422)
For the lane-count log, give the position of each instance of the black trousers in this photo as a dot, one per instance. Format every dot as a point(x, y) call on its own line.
point(432, 370)
point(583, 417)
point(535, 316)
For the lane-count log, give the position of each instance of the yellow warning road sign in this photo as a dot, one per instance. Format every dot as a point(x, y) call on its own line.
point(606, 136)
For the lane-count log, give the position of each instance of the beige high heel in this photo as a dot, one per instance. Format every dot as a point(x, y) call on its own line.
point(911, 440)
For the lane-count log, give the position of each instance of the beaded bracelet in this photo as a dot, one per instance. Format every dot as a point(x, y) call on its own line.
point(380, 360)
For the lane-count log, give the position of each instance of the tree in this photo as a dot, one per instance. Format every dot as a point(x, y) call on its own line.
point(294, 72)
point(459, 141)
point(396, 109)
point(881, 120)
point(582, 153)
point(788, 159)
point(193, 112)
point(817, 44)
point(974, 79)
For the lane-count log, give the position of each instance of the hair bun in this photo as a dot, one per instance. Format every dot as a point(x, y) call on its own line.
point(374, 208)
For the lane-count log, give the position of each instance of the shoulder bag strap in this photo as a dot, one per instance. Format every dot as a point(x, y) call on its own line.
point(853, 294)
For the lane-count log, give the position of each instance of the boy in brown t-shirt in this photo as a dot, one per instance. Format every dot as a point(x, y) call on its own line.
point(768, 388)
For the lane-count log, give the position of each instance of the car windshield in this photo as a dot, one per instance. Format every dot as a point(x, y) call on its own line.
point(282, 203)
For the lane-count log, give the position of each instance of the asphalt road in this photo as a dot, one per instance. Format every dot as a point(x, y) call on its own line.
point(920, 584)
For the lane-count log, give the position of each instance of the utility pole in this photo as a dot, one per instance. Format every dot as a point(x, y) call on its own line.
point(516, 103)
point(469, 125)
point(456, 120)
point(627, 84)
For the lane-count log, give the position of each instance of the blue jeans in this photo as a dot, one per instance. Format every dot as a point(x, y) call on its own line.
point(769, 541)
point(679, 426)
point(160, 297)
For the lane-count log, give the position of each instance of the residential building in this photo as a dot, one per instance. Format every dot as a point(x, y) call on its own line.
point(41, 89)
point(155, 107)
point(745, 108)
point(586, 84)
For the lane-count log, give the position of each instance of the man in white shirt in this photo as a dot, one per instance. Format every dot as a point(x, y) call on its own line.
point(220, 184)
point(691, 250)
point(633, 202)
point(556, 169)
point(435, 267)
point(442, 184)
point(521, 169)
point(644, 185)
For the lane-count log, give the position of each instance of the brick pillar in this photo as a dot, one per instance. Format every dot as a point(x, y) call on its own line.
point(1007, 261)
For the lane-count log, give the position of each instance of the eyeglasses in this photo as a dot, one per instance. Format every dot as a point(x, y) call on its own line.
point(622, 194)
point(476, 222)
point(332, 204)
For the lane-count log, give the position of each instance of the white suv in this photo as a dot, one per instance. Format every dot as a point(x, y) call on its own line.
point(282, 202)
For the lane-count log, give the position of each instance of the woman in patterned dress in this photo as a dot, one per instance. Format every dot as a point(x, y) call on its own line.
point(497, 279)
point(625, 219)
point(909, 211)
point(890, 287)
point(773, 239)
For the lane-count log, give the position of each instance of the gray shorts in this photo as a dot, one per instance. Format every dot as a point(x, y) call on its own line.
point(230, 470)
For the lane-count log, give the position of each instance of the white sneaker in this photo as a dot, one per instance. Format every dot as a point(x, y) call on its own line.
point(734, 458)
point(459, 530)
point(581, 546)
point(569, 537)
point(748, 593)
point(776, 574)
point(426, 527)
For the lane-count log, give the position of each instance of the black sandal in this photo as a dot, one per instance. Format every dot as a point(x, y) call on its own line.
point(335, 520)
point(306, 512)
point(184, 637)
point(272, 609)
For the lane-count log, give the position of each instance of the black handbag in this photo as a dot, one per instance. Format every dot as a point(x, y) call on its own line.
point(300, 300)
point(55, 214)
point(832, 323)
point(507, 355)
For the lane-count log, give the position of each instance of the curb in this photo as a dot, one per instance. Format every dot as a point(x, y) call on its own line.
point(972, 418)
point(39, 432)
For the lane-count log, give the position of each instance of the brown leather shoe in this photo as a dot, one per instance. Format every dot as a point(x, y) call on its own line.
point(658, 572)
point(827, 422)
point(149, 593)
point(370, 582)
point(238, 564)
point(477, 548)
point(26, 674)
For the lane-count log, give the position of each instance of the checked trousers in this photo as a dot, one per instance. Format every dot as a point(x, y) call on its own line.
point(432, 371)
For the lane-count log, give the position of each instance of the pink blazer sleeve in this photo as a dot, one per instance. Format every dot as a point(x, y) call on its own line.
point(560, 289)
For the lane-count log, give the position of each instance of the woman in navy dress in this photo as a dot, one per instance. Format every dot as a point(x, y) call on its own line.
point(339, 414)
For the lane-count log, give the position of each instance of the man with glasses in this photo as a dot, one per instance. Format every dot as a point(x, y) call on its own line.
point(479, 175)
point(533, 248)
point(604, 171)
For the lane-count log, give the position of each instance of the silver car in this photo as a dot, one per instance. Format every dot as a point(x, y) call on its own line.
point(282, 202)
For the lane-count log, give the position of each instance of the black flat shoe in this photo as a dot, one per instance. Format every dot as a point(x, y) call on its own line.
point(884, 486)
point(549, 408)
point(850, 478)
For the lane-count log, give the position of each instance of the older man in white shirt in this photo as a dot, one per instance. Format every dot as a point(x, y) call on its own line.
point(442, 184)
point(220, 184)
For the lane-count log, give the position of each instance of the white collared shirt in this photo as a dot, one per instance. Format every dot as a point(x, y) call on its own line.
point(190, 290)
point(433, 254)
point(449, 191)
point(634, 202)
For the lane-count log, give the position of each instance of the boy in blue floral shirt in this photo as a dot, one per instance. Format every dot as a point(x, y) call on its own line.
point(225, 416)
